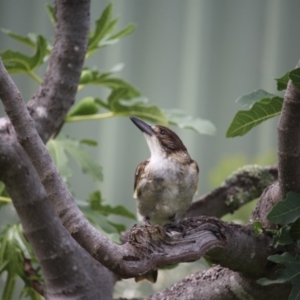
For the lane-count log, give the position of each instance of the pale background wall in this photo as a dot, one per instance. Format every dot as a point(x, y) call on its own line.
point(197, 55)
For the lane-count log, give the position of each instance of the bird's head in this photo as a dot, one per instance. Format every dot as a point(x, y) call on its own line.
point(162, 141)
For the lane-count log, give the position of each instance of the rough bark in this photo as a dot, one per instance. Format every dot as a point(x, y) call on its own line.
point(243, 186)
point(289, 142)
point(57, 93)
point(219, 283)
point(288, 156)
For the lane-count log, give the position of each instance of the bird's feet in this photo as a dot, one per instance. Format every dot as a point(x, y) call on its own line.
point(175, 226)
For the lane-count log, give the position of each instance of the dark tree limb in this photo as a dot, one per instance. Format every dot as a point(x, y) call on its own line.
point(288, 156)
point(229, 245)
point(243, 186)
point(289, 142)
point(219, 283)
point(57, 93)
point(68, 270)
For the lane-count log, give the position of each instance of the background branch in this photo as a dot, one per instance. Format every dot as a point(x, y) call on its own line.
point(243, 186)
point(220, 283)
point(57, 93)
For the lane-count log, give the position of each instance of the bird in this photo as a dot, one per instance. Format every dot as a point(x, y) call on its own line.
point(164, 184)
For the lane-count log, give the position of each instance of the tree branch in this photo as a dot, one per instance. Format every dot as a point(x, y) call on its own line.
point(289, 142)
point(243, 186)
point(58, 254)
point(220, 283)
point(57, 93)
point(288, 157)
point(229, 245)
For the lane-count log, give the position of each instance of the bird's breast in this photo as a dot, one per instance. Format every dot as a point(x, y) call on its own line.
point(165, 190)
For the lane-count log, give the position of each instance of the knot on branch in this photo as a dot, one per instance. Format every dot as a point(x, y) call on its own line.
point(146, 238)
point(200, 235)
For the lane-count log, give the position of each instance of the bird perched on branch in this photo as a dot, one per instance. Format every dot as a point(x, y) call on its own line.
point(165, 183)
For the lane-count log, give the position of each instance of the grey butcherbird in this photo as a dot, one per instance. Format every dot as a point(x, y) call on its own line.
point(165, 183)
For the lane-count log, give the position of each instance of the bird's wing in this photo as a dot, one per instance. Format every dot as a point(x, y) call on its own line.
point(138, 173)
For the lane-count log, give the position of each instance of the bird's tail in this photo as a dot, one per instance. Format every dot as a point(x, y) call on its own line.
point(150, 276)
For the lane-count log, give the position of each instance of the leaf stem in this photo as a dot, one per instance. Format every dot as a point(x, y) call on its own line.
point(5, 199)
point(90, 117)
point(37, 78)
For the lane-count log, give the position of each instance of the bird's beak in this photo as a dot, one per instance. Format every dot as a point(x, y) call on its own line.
point(143, 126)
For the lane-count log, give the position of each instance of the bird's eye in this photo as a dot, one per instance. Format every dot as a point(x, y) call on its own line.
point(163, 132)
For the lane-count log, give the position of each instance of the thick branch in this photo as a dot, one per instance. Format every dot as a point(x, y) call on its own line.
point(288, 156)
point(289, 142)
point(230, 245)
point(57, 92)
point(241, 187)
point(59, 255)
point(219, 283)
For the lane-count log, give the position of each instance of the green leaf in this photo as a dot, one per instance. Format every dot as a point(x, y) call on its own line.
point(249, 99)
point(257, 227)
point(290, 274)
point(29, 292)
point(100, 27)
point(104, 41)
point(2, 187)
point(86, 76)
point(16, 62)
point(13, 249)
point(96, 204)
point(295, 77)
point(182, 120)
point(295, 230)
point(119, 227)
point(60, 146)
point(135, 107)
point(103, 34)
point(58, 154)
point(86, 106)
point(51, 13)
point(122, 33)
point(282, 82)
point(89, 142)
point(82, 157)
point(29, 40)
point(118, 83)
point(89, 77)
point(283, 236)
point(261, 111)
point(102, 223)
point(286, 211)
point(9, 286)
point(4, 197)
